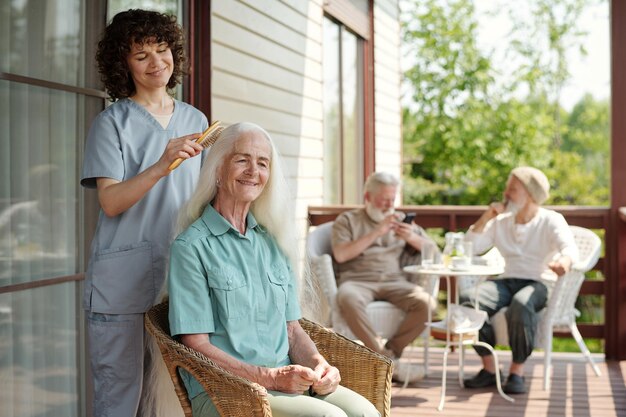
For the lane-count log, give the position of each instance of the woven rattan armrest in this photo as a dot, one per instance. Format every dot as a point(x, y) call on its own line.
point(362, 370)
point(232, 395)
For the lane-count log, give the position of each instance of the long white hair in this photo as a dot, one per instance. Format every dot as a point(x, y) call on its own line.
point(273, 209)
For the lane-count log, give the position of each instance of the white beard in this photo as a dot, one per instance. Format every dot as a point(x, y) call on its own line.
point(513, 207)
point(376, 214)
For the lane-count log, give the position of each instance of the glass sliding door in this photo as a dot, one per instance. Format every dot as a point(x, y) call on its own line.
point(38, 352)
point(44, 107)
point(49, 94)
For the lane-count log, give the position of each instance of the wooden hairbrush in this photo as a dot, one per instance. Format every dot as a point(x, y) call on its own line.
point(206, 139)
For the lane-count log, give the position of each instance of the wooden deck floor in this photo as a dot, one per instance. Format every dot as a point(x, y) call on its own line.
point(576, 390)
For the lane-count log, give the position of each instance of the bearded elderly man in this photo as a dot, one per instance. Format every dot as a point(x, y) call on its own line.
point(538, 247)
point(368, 245)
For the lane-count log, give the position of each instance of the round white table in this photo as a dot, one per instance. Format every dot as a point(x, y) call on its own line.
point(462, 322)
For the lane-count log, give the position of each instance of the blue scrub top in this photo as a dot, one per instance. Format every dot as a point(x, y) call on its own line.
point(239, 289)
point(129, 251)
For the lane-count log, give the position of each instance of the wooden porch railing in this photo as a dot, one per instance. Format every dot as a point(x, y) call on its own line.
point(454, 218)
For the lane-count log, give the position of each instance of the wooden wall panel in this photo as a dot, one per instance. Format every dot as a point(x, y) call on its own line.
point(267, 68)
point(388, 121)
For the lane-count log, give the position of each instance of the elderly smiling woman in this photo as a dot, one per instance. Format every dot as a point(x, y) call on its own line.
point(233, 292)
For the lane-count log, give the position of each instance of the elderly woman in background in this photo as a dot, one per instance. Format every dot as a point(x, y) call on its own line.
point(233, 292)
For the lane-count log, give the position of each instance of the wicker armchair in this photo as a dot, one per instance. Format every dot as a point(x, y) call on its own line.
point(384, 316)
point(560, 313)
point(362, 370)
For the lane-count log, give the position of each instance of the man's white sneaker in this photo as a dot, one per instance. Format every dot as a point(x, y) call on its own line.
point(407, 372)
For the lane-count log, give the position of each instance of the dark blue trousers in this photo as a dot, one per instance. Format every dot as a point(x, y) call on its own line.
point(524, 299)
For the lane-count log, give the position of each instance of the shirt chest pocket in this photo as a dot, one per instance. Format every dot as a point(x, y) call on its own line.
point(230, 292)
point(279, 278)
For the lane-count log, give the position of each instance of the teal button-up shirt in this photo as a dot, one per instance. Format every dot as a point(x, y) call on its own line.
point(237, 288)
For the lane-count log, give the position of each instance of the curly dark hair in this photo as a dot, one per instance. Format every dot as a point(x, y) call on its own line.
point(137, 26)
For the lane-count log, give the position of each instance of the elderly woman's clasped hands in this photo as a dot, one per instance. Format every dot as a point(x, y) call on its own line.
point(296, 379)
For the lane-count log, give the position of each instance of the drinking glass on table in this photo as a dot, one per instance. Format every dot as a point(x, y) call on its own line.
point(429, 252)
point(468, 251)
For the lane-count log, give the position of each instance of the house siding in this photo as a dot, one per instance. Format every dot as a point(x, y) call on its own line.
point(387, 77)
point(267, 69)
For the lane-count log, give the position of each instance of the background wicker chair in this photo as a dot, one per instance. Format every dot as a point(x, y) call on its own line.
point(362, 370)
point(384, 316)
point(560, 312)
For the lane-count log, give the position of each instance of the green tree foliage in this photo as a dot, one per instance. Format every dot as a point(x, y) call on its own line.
point(466, 129)
point(581, 168)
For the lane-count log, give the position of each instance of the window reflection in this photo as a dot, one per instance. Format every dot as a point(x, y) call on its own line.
point(38, 190)
point(42, 39)
point(37, 227)
point(352, 97)
point(38, 352)
point(332, 114)
point(343, 115)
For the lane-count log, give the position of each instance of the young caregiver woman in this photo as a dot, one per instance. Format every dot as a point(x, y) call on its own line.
point(129, 149)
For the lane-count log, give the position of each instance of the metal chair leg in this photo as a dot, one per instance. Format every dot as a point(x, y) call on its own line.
point(426, 336)
point(461, 361)
point(547, 360)
point(442, 399)
point(498, 381)
point(583, 348)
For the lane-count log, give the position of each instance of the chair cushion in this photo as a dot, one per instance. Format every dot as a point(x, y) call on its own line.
point(385, 317)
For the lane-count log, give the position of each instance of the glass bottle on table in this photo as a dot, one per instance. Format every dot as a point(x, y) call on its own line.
point(454, 247)
point(448, 249)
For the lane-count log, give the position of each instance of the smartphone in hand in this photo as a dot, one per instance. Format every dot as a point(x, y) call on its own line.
point(409, 218)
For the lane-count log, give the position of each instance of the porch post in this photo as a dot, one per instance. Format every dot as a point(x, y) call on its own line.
point(615, 290)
